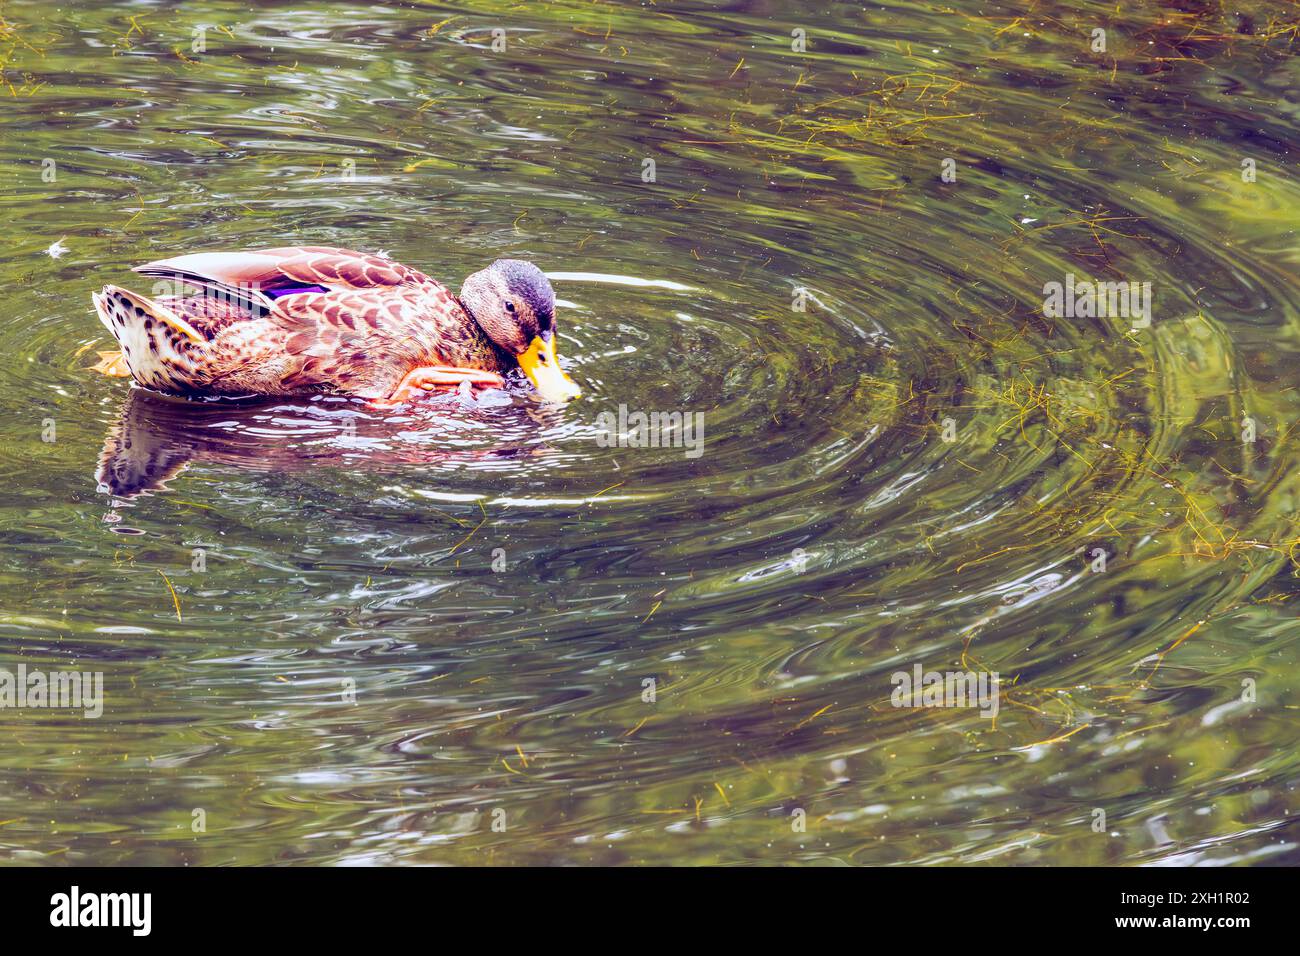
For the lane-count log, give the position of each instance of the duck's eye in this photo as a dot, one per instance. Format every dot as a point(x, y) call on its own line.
point(510, 307)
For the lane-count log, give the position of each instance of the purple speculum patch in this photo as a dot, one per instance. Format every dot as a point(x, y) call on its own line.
point(293, 290)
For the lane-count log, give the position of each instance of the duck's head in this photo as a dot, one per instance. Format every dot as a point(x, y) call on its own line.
point(513, 302)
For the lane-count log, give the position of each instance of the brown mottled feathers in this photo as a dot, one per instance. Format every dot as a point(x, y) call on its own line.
point(375, 321)
point(208, 314)
point(338, 267)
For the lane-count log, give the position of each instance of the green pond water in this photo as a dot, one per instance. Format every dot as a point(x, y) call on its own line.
point(475, 632)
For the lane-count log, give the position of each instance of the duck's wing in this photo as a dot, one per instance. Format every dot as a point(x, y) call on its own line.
point(210, 314)
point(361, 341)
point(350, 320)
point(285, 270)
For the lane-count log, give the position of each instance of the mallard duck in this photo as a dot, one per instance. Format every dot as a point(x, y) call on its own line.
point(300, 319)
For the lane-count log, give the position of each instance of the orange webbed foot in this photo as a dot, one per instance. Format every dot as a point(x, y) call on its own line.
point(113, 364)
point(430, 377)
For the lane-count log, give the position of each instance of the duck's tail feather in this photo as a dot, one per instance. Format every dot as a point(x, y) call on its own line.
point(162, 350)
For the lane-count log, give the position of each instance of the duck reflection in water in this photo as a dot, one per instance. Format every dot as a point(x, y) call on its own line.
point(156, 436)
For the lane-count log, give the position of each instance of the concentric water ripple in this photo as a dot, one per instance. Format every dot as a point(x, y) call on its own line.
point(385, 625)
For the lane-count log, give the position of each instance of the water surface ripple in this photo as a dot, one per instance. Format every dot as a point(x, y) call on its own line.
point(392, 629)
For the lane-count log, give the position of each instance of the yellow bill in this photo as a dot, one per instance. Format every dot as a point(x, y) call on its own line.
point(542, 367)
